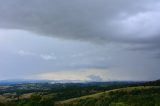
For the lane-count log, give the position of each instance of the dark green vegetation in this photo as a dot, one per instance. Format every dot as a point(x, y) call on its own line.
point(131, 96)
point(90, 94)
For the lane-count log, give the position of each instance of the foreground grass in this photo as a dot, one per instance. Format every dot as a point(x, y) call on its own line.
point(131, 96)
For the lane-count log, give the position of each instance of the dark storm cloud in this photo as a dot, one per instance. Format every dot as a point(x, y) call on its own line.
point(124, 21)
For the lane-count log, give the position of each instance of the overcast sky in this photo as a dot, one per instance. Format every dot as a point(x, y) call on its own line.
point(89, 40)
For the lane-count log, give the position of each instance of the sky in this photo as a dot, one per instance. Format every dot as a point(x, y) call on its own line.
point(86, 40)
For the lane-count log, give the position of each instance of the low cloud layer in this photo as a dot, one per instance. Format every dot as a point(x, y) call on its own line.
point(23, 54)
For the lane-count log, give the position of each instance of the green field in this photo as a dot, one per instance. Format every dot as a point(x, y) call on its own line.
point(139, 94)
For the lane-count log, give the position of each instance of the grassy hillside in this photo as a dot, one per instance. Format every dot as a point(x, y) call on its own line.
point(88, 94)
point(130, 96)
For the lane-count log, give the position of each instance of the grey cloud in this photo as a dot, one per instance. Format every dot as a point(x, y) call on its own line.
point(73, 19)
point(97, 21)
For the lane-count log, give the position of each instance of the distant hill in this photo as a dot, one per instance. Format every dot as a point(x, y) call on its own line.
point(153, 83)
point(79, 82)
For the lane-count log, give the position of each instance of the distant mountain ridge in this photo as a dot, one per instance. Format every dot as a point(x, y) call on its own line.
point(23, 81)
